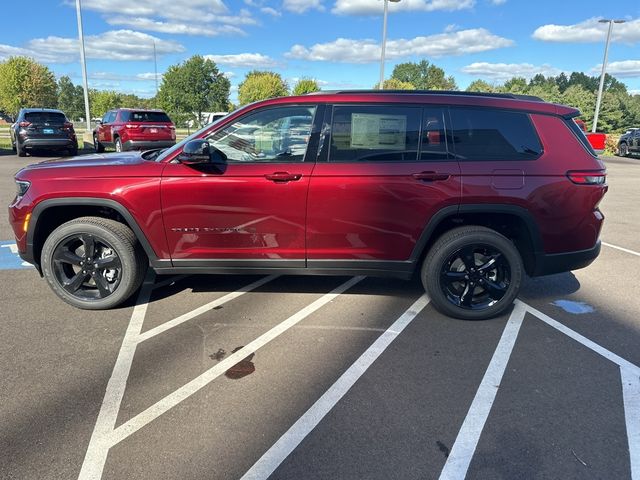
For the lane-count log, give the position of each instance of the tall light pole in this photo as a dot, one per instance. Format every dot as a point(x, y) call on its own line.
point(84, 65)
point(604, 68)
point(384, 39)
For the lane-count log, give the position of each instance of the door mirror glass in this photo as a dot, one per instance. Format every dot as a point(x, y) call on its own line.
point(198, 152)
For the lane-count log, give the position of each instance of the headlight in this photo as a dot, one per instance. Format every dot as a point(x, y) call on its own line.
point(23, 186)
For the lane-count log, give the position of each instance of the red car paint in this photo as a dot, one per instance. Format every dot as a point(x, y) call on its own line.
point(330, 212)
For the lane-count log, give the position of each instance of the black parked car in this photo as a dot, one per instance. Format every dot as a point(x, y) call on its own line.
point(43, 128)
point(629, 142)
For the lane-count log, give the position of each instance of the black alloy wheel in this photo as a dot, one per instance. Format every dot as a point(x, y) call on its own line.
point(87, 266)
point(93, 263)
point(623, 150)
point(472, 273)
point(475, 277)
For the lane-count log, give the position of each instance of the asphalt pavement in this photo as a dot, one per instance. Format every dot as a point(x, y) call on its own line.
point(229, 377)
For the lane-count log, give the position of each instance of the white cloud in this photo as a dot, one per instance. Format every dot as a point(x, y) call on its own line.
point(505, 71)
point(634, 92)
point(182, 10)
point(111, 45)
point(622, 69)
point(270, 11)
point(148, 24)
point(301, 6)
point(589, 31)
point(346, 50)
point(244, 60)
point(374, 7)
point(498, 2)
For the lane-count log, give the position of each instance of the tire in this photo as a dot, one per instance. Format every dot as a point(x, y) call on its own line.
point(623, 150)
point(118, 144)
point(478, 292)
point(113, 274)
point(20, 151)
point(97, 146)
point(73, 151)
point(13, 146)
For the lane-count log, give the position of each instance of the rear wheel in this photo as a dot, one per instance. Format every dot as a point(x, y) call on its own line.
point(472, 273)
point(93, 263)
point(97, 146)
point(623, 150)
point(118, 144)
point(20, 151)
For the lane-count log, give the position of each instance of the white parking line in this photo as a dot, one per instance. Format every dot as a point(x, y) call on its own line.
point(637, 254)
point(205, 308)
point(268, 463)
point(465, 445)
point(631, 398)
point(184, 392)
point(98, 448)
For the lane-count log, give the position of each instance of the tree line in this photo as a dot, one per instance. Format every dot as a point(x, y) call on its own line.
point(197, 85)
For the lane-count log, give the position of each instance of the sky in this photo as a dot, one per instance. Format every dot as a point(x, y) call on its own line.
point(336, 42)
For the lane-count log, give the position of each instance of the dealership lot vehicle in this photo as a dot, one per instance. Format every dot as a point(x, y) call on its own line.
point(560, 408)
point(134, 129)
point(629, 142)
point(42, 128)
point(470, 190)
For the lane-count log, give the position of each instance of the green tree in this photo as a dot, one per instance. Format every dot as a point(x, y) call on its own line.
point(305, 85)
point(258, 85)
point(480, 86)
point(26, 83)
point(395, 84)
point(193, 87)
point(516, 85)
point(423, 76)
point(101, 101)
point(70, 98)
point(579, 97)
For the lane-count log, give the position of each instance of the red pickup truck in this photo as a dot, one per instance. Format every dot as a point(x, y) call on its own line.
point(597, 140)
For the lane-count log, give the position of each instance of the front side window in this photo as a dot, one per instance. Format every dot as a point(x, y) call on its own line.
point(269, 135)
point(491, 134)
point(374, 134)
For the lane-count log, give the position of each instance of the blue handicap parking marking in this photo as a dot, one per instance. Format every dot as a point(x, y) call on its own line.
point(9, 258)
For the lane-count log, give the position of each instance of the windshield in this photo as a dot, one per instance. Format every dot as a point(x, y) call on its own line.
point(168, 152)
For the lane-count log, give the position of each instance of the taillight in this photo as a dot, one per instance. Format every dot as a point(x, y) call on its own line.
point(24, 124)
point(128, 125)
point(67, 126)
point(586, 177)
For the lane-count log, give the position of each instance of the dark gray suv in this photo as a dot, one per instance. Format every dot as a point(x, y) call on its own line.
point(629, 142)
point(43, 128)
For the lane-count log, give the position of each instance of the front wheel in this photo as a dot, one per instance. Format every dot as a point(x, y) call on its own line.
point(97, 146)
point(93, 263)
point(472, 273)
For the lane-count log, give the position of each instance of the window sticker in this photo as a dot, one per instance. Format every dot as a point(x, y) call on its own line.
point(378, 132)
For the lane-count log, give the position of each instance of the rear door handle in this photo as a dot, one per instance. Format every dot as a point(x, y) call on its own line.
point(431, 176)
point(283, 177)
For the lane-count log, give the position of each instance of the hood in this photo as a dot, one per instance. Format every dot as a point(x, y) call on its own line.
point(93, 160)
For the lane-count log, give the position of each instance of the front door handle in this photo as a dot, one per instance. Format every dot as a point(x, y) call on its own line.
point(283, 177)
point(431, 176)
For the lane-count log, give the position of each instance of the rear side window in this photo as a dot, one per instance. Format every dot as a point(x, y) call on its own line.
point(147, 117)
point(374, 134)
point(489, 134)
point(45, 117)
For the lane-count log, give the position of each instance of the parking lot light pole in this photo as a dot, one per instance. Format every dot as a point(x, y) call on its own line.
point(604, 68)
point(84, 65)
point(384, 39)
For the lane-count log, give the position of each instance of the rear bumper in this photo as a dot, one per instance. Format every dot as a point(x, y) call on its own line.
point(147, 144)
point(565, 262)
point(49, 143)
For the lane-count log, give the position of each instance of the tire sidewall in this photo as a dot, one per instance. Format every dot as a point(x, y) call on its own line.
point(118, 145)
point(127, 260)
point(623, 150)
point(445, 247)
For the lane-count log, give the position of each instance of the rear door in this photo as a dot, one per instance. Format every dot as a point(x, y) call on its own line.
point(383, 172)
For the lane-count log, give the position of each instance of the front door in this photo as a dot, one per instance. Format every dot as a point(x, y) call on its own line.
point(385, 171)
point(250, 212)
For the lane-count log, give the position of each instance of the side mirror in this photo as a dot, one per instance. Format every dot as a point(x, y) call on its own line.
point(198, 152)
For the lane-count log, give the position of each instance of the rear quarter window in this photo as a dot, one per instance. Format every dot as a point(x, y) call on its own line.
point(491, 134)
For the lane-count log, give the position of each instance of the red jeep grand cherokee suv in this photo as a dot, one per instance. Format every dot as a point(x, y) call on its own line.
point(130, 129)
point(470, 190)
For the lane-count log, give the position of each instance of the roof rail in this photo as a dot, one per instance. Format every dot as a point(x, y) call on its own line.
point(513, 96)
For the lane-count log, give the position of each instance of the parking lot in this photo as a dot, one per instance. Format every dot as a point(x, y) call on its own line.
point(229, 377)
